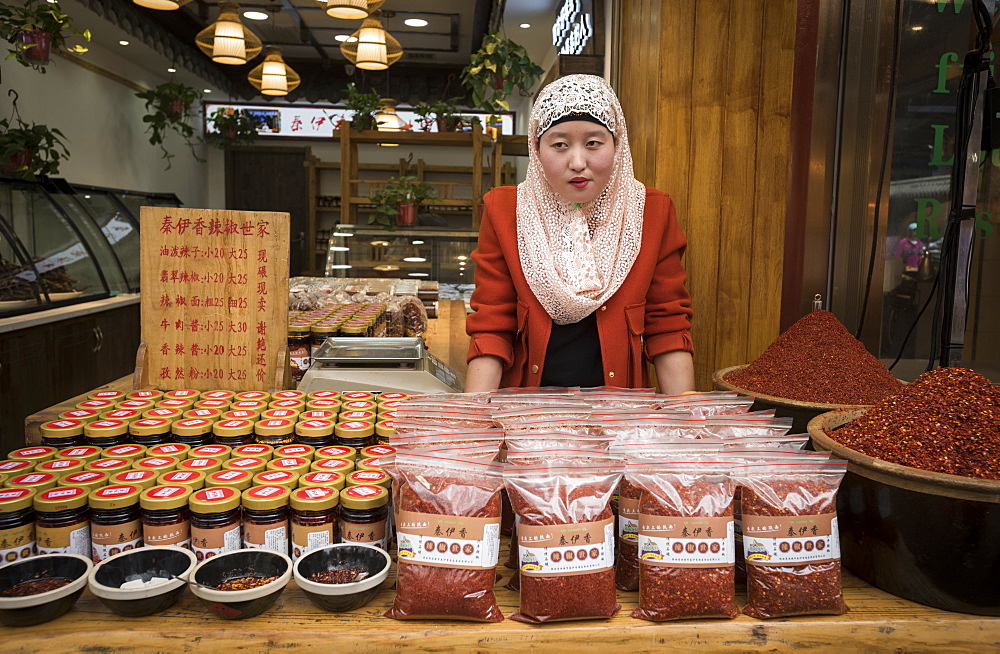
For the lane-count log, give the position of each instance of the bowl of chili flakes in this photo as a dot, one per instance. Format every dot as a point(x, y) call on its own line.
point(242, 583)
point(342, 577)
point(929, 537)
point(41, 588)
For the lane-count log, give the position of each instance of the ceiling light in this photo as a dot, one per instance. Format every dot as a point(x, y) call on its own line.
point(255, 15)
point(419, 274)
point(226, 40)
point(417, 242)
point(341, 37)
point(375, 48)
point(524, 26)
point(337, 248)
point(387, 120)
point(380, 244)
point(273, 76)
point(385, 267)
point(917, 28)
point(163, 5)
point(206, 90)
point(415, 22)
point(350, 9)
point(171, 70)
point(86, 197)
point(344, 234)
point(461, 257)
point(340, 266)
point(414, 259)
point(123, 43)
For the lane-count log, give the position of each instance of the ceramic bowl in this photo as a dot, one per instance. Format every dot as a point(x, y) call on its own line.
point(36, 609)
point(239, 604)
point(108, 576)
point(342, 597)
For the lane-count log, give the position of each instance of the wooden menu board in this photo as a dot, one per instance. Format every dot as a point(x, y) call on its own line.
point(214, 298)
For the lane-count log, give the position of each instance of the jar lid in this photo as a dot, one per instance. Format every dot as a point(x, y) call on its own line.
point(61, 498)
point(180, 405)
point(125, 415)
point(376, 451)
point(107, 395)
point(259, 450)
point(324, 395)
point(248, 405)
point(280, 414)
point(384, 428)
point(61, 466)
point(375, 463)
point(261, 498)
point(83, 415)
point(16, 499)
point(221, 452)
point(163, 412)
point(296, 449)
point(386, 415)
point(145, 394)
point(35, 453)
point(204, 464)
point(357, 405)
point(109, 465)
point(207, 414)
point(230, 428)
point(364, 497)
point(218, 394)
point(314, 428)
point(337, 452)
point(157, 463)
point(274, 427)
point(65, 428)
point(363, 416)
point(182, 394)
point(263, 396)
point(322, 414)
point(349, 396)
point(389, 405)
point(371, 477)
point(391, 397)
point(105, 428)
point(86, 478)
point(290, 463)
point(142, 478)
point(298, 331)
point(177, 450)
point(315, 498)
point(238, 479)
point(251, 464)
point(240, 414)
point(288, 395)
point(215, 500)
point(323, 405)
point(16, 466)
point(318, 478)
point(342, 466)
point(115, 497)
point(354, 429)
point(212, 404)
point(159, 498)
point(191, 427)
point(352, 328)
point(322, 330)
point(276, 478)
point(129, 451)
point(287, 404)
point(97, 405)
point(194, 479)
point(138, 405)
point(86, 452)
point(149, 426)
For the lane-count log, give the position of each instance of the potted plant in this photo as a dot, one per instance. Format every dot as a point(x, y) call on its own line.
point(364, 106)
point(32, 31)
point(169, 108)
point(232, 127)
point(444, 113)
point(27, 151)
point(496, 69)
point(396, 203)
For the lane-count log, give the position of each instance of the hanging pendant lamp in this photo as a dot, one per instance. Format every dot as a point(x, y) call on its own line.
point(273, 76)
point(371, 47)
point(162, 5)
point(350, 9)
point(227, 40)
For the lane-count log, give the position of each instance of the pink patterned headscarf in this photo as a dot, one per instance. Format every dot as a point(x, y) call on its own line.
point(575, 258)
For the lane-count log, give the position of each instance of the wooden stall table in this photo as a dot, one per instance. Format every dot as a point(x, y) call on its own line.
point(877, 622)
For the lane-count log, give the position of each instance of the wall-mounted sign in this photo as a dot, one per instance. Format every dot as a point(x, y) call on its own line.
point(574, 26)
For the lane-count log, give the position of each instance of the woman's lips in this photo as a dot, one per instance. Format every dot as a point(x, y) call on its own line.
point(579, 182)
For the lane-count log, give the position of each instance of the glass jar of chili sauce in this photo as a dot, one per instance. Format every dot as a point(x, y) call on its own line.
point(17, 524)
point(62, 521)
point(265, 518)
point(215, 522)
point(166, 519)
point(364, 515)
point(115, 520)
point(315, 519)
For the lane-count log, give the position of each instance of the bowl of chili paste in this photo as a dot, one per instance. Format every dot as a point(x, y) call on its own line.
point(242, 583)
point(342, 577)
point(41, 588)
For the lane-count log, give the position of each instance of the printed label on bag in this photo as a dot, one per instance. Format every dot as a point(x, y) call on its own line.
point(790, 540)
point(571, 549)
point(108, 540)
point(448, 541)
point(64, 540)
point(686, 542)
point(17, 543)
point(628, 519)
point(206, 543)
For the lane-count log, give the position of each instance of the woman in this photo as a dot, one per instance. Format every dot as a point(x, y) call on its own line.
point(578, 271)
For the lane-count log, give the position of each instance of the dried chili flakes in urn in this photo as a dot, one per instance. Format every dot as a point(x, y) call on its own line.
point(448, 535)
point(566, 537)
point(790, 538)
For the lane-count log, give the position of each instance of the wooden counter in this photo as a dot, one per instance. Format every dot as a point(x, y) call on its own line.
point(877, 622)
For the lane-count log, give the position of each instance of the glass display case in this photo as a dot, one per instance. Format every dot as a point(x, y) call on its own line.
point(420, 252)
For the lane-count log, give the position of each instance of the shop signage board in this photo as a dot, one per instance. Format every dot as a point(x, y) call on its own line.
point(214, 298)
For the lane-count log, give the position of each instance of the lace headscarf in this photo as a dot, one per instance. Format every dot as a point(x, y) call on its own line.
point(575, 258)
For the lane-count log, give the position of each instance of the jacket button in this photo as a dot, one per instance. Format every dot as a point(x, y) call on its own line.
point(534, 370)
point(604, 308)
point(611, 374)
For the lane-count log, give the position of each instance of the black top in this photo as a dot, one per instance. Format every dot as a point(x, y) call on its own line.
point(573, 356)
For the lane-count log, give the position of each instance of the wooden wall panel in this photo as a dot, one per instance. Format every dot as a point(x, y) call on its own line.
point(706, 89)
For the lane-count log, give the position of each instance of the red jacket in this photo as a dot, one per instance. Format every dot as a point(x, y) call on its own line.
point(650, 314)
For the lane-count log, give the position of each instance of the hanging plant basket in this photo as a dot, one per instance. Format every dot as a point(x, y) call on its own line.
point(407, 213)
point(18, 162)
point(32, 30)
point(36, 46)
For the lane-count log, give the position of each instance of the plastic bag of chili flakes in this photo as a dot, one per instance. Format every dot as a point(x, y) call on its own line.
point(791, 542)
point(565, 536)
point(447, 534)
point(687, 552)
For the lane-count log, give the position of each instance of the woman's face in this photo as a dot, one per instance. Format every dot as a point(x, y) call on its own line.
point(577, 158)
